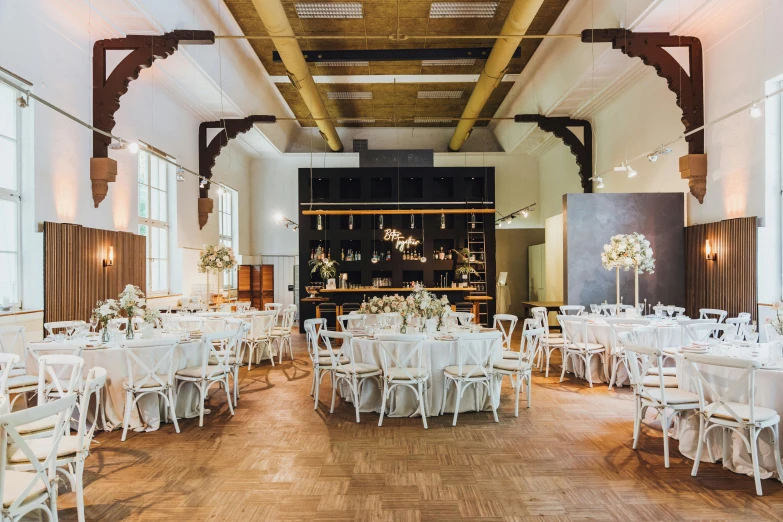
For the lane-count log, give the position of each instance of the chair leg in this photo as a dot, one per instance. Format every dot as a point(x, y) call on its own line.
point(356, 386)
point(316, 385)
point(528, 390)
point(615, 362)
point(458, 388)
point(754, 446)
point(421, 404)
point(79, 489)
point(492, 402)
point(202, 397)
point(516, 402)
point(724, 446)
point(250, 349)
point(637, 426)
point(228, 395)
point(445, 391)
point(776, 445)
point(588, 372)
point(383, 402)
point(548, 355)
point(565, 363)
point(665, 425)
point(173, 411)
point(127, 414)
point(697, 460)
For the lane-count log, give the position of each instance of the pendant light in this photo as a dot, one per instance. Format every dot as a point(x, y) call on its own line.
point(380, 222)
point(413, 221)
point(319, 223)
point(423, 258)
point(443, 221)
point(350, 222)
point(472, 220)
point(374, 258)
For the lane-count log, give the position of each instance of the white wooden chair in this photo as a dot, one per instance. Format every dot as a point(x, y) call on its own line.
point(261, 324)
point(402, 358)
point(7, 363)
point(519, 370)
point(712, 313)
point(213, 324)
point(540, 313)
point(685, 337)
point(475, 355)
point(576, 344)
point(346, 369)
point(150, 367)
point(239, 328)
point(350, 322)
point(661, 398)
point(72, 450)
point(282, 335)
point(572, 309)
point(618, 355)
point(276, 308)
point(746, 419)
point(319, 357)
point(206, 374)
point(26, 491)
point(705, 332)
point(548, 344)
point(68, 326)
point(506, 323)
point(740, 324)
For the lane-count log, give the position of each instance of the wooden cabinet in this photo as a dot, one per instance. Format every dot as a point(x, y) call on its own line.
point(256, 283)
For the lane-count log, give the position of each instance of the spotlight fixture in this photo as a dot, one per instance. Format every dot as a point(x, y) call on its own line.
point(472, 220)
point(463, 9)
point(631, 172)
point(653, 156)
point(22, 102)
point(626, 167)
point(600, 181)
point(203, 183)
point(329, 10)
point(509, 220)
point(524, 213)
point(413, 221)
point(180, 174)
point(319, 223)
point(220, 190)
point(443, 221)
point(374, 259)
point(287, 223)
point(350, 222)
point(500, 224)
point(380, 222)
point(133, 147)
point(755, 111)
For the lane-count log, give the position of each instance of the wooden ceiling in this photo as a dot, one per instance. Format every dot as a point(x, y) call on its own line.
point(381, 18)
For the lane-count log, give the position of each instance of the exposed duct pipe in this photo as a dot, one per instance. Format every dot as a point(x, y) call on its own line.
point(519, 19)
point(275, 20)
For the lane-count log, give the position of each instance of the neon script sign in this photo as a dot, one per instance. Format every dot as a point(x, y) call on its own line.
point(400, 243)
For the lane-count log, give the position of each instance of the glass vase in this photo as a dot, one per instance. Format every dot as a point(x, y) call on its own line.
point(404, 325)
point(129, 327)
point(105, 334)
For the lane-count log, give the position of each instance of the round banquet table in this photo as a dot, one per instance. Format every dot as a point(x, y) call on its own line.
point(437, 355)
point(113, 359)
point(599, 331)
point(769, 382)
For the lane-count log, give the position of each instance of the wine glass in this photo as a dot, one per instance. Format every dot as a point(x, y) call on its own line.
point(93, 322)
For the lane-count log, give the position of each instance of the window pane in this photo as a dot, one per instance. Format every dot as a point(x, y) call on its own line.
point(142, 230)
point(9, 279)
point(155, 243)
point(8, 111)
point(9, 216)
point(144, 208)
point(163, 247)
point(160, 182)
point(8, 174)
point(162, 206)
point(143, 167)
point(153, 171)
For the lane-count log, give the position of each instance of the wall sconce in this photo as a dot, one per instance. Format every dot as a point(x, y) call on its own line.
point(710, 254)
point(109, 261)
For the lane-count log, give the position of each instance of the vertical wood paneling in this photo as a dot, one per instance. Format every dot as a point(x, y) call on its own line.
point(730, 282)
point(74, 275)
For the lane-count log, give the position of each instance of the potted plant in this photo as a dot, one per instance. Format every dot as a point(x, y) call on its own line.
point(463, 269)
point(326, 268)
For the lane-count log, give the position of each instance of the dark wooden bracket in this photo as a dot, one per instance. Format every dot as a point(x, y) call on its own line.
point(107, 91)
point(688, 88)
point(561, 127)
point(208, 152)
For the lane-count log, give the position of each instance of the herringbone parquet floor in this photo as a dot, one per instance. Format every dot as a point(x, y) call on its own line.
point(569, 457)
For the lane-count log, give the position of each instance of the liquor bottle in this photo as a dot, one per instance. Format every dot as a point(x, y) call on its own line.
point(342, 254)
point(329, 254)
point(358, 255)
point(388, 255)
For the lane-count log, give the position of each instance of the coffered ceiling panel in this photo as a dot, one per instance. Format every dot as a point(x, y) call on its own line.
point(385, 18)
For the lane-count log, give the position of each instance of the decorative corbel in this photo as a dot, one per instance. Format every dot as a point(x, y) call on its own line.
point(208, 153)
point(107, 91)
point(687, 87)
point(581, 149)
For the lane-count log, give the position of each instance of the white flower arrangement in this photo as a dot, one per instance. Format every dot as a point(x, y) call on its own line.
point(131, 299)
point(151, 316)
point(627, 250)
point(105, 311)
point(216, 259)
point(384, 305)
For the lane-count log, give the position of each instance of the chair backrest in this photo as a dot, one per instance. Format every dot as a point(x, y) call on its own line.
point(506, 324)
point(121, 323)
point(345, 350)
point(276, 307)
point(12, 340)
point(261, 324)
point(718, 398)
point(147, 361)
point(190, 323)
point(287, 323)
point(572, 309)
point(312, 328)
point(574, 329)
point(68, 326)
point(712, 313)
point(640, 360)
point(648, 334)
point(531, 340)
point(541, 315)
point(702, 332)
point(476, 351)
point(403, 352)
point(59, 375)
point(739, 323)
point(213, 324)
point(464, 318)
point(7, 363)
point(96, 379)
point(685, 337)
point(216, 349)
point(351, 321)
point(38, 350)
point(351, 307)
point(43, 470)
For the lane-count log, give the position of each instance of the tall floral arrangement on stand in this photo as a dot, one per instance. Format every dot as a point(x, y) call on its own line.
point(132, 301)
point(104, 312)
point(216, 260)
point(626, 251)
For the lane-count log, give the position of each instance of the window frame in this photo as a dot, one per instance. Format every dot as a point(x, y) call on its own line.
point(151, 223)
point(15, 196)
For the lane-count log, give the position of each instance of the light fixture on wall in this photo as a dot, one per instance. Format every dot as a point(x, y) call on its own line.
point(653, 156)
point(133, 147)
point(319, 224)
point(755, 111)
point(23, 102)
point(472, 220)
point(443, 221)
point(710, 254)
point(350, 222)
point(180, 174)
point(626, 167)
point(280, 219)
point(109, 260)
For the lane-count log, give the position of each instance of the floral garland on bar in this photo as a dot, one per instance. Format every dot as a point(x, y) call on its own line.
point(626, 250)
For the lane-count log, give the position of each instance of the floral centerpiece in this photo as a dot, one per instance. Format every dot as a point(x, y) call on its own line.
point(626, 251)
point(151, 316)
point(104, 312)
point(216, 260)
point(777, 321)
point(132, 301)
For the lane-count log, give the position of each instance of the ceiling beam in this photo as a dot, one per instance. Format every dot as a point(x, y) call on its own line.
point(394, 55)
point(396, 78)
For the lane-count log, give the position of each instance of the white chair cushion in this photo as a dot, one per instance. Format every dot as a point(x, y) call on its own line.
point(587, 347)
point(654, 381)
point(42, 447)
point(468, 370)
point(195, 371)
point(398, 374)
point(277, 332)
point(327, 361)
point(359, 368)
point(146, 383)
point(674, 395)
point(22, 381)
point(510, 365)
point(743, 410)
point(16, 482)
point(554, 341)
point(670, 371)
point(41, 425)
point(231, 360)
point(510, 354)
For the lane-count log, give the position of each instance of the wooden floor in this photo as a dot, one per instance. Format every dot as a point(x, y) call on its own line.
point(569, 457)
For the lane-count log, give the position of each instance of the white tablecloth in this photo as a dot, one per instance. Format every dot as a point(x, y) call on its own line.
point(113, 397)
point(769, 384)
point(437, 355)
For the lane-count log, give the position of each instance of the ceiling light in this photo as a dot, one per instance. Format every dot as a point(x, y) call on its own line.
point(600, 183)
point(443, 221)
point(427, 119)
point(350, 222)
point(349, 95)
point(448, 62)
point(463, 9)
point(524, 213)
point(203, 183)
point(22, 102)
point(621, 168)
point(652, 158)
point(439, 94)
point(413, 221)
point(755, 111)
point(472, 220)
point(319, 223)
point(380, 222)
point(342, 63)
point(180, 174)
point(133, 147)
point(509, 220)
point(329, 10)
point(631, 171)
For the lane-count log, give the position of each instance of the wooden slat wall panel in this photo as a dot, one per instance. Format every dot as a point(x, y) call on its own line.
point(730, 282)
point(74, 275)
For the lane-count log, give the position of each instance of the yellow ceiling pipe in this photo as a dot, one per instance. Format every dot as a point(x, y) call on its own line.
point(276, 22)
point(519, 19)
